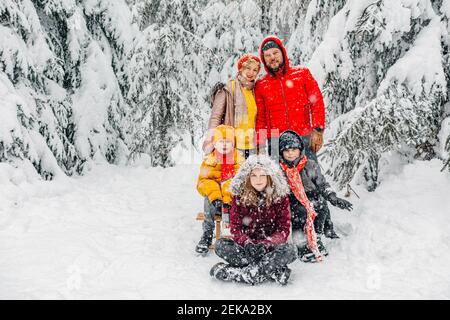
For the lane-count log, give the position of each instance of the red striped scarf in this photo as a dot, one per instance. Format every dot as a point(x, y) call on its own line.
point(296, 184)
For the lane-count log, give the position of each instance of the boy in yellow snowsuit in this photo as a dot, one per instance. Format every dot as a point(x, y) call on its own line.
point(216, 173)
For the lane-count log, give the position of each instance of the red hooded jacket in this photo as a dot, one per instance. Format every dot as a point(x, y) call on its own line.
point(288, 100)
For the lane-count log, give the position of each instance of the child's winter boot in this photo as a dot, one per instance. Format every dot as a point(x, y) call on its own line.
point(281, 275)
point(306, 255)
point(204, 243)
point(225, 272)
point(328, 229)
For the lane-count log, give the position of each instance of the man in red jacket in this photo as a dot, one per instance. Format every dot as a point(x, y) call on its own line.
point(287, 98)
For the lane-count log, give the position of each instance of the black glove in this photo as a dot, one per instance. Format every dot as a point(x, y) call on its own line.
point(313, 195)
point(254, 252)
point(339, 202)
point(217, 204)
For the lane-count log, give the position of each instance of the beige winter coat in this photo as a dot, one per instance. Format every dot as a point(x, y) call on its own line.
point(224, 111)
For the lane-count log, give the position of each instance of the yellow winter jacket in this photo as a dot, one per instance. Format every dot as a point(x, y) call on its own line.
point(208, 183)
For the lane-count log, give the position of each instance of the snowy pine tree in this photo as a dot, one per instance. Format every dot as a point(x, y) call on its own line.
point(99, 106)
point(62, 80)
point(380, 66)
point(307, 30)
point(444, 134)
point(230, 29)
point(283, 17)
point(35, 109)
point(98, 79)
point(168, 85)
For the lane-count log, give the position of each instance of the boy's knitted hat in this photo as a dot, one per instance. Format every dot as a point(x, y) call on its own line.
point(290, 140)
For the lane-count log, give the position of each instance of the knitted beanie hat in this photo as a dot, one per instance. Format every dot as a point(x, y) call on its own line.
point(290, 140)
point(269, 45)
point(246, 57)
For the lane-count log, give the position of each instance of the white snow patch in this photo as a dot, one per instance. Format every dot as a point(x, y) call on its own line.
point(123, 232)
point(420, 67)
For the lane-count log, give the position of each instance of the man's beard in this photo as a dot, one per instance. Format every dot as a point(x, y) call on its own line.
point(278, 68)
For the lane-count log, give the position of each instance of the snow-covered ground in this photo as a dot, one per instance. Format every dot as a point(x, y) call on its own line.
point(130, 232)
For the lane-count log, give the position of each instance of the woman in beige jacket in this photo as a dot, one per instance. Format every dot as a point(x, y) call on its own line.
point(234, 105)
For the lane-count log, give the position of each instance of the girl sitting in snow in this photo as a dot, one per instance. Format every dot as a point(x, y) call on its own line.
point(216, 172)
point(260, 223)
point(309, 193)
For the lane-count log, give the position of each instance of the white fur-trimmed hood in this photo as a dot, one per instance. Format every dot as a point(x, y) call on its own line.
point(280, 186)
